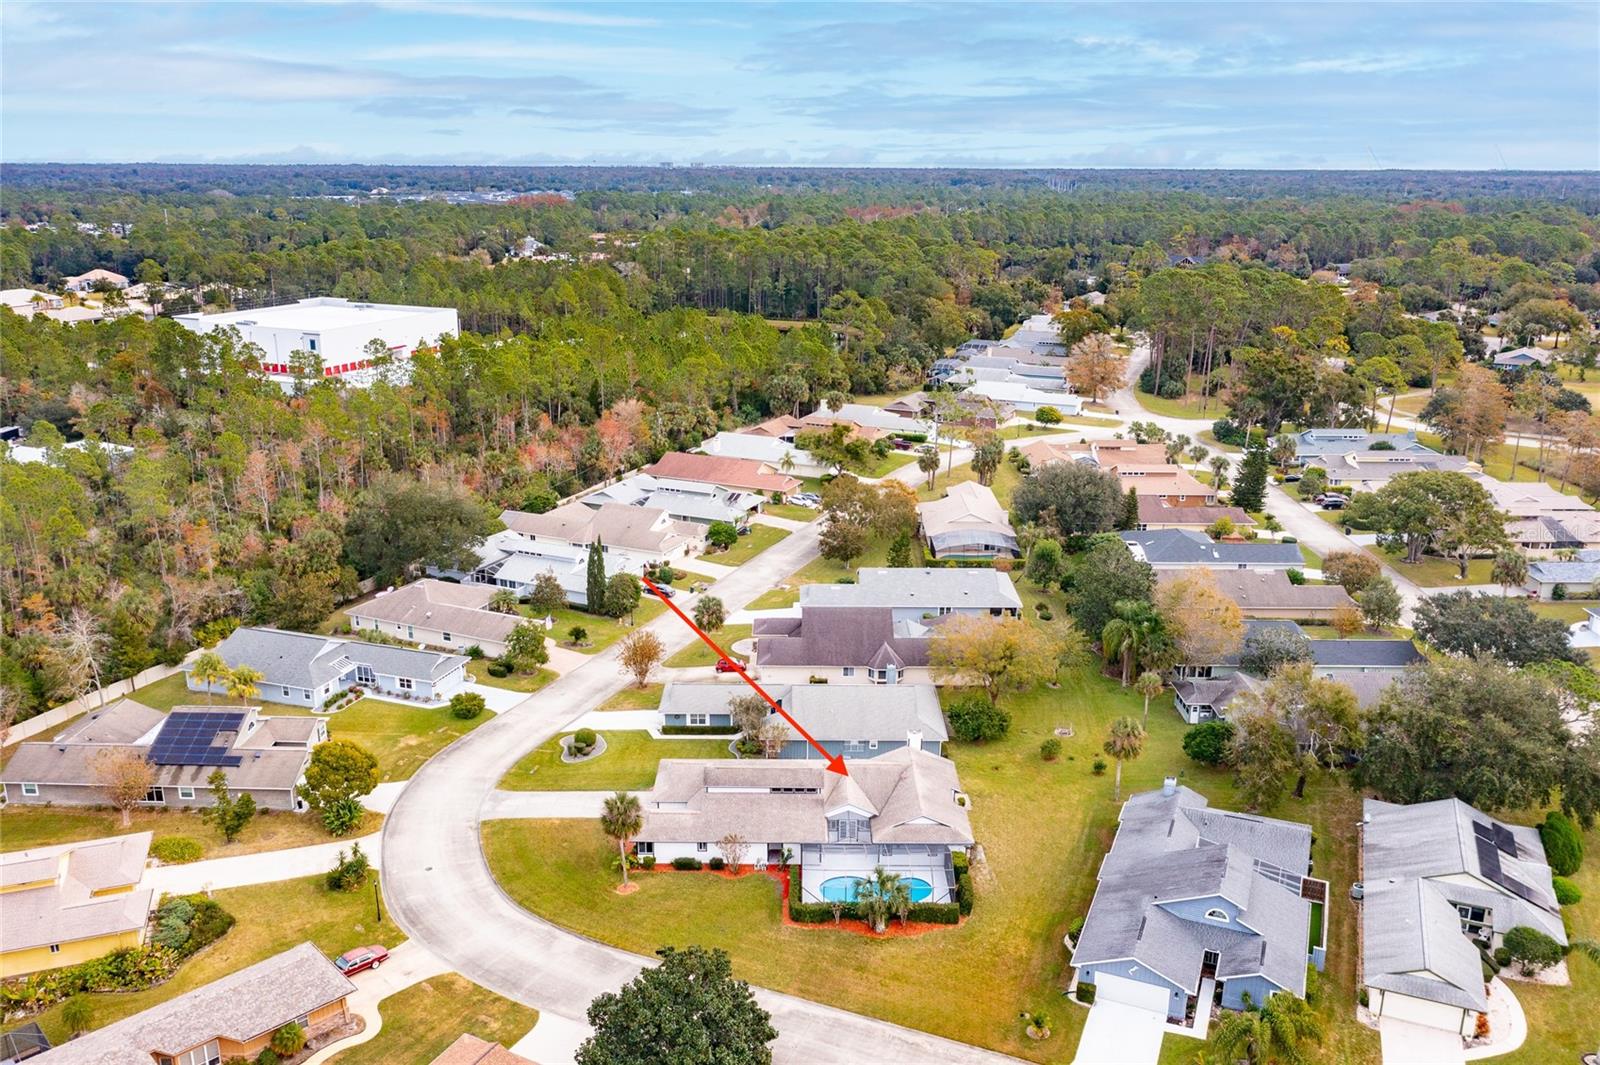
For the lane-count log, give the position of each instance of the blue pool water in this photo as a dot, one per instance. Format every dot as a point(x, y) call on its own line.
point(844, 888)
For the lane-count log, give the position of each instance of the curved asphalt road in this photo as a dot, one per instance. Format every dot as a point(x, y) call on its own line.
point(440, 891)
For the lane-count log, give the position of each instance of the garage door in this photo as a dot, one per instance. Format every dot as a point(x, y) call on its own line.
point(1405, 1043)
point(1125, 1024)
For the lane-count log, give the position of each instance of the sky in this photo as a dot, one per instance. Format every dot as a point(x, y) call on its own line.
point(1327, 85)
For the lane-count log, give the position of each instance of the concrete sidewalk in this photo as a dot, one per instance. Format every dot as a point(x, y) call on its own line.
point(409, 963)
point(265, 867)
point(777, 522)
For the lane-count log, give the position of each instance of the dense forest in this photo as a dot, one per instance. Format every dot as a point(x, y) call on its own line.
point(669, 303)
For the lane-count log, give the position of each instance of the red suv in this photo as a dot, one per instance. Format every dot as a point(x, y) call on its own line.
point(361, 959)
point(725, 666)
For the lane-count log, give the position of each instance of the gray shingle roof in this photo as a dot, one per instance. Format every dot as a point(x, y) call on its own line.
point(1551, 571)
point(957, 589)
point(459, 609)
point(1392, 654)
point(839, 636)
point(1315, 442)
point(66, 909)
point(1411, 935)
point(830, 712)
point(1272, 590)
point(306, 660)
point(1190, 548)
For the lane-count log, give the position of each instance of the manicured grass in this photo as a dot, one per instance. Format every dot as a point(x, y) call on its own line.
point(1433, 572)
point(517, 682)
point(269, 919)
point(631, 698)
point(1187, 407)
point(698, 654)
point(792, 511)
point(1568, 610)
point(422, 1020)
point(1312, 559)
point(603, 631)
point(1005, 481)
point(1314, 934)
point(629, 763)
point(827, 571)
point(749, 546)
point(1028, 893)
point(22, 827)
point(1029, 430)
point(775, 599)
point(172, 691)
point(401, 735)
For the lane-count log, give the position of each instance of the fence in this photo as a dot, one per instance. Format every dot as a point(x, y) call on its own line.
point(60, 715)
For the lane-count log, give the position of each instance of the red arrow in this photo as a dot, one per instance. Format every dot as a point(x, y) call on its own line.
point(835, 762)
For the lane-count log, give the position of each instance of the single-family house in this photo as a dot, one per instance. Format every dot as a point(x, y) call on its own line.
point(1102, 453)
point(648, 533)
point(1023, 398)
point(1164, 480)
point(740, 475)
point(305, 669)
point(1270, 594)
point(1157, 512)
point(694, 502)
point(29, 301)
point(264, 757)
point(845, 645)
point(898, 811)
point(920, 594)
point(515, 562)
point(1211, 906)
point(435, 613)
point(1179, 549)
point(776, 452)
point(231, 1018)
point(1311, 445)
point(1528, 499)
point(71, 903)
point(1522, 358)
point(88, 281)
point(1367, 667)
point(1577, 577)
point(1585, 633)
point(1200, 699)
point(1038, 335)
point(960, 371)
point(468, 1049)
point(1368, 471)
point(1437, 877)
point(846, 720)
point(866, 416)
point(968, 522)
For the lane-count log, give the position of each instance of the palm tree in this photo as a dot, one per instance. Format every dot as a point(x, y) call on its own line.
point(928, 461)
point(503, 601)
point(884, 894)
point(1148, 685)
point(1219, 471)
point(1509, 568)
point(1125, 743)
point(786, 463)
point(241, 683)
point(208, 669)
point(622, 819)
point(1129, 635)
point(1269, 1033)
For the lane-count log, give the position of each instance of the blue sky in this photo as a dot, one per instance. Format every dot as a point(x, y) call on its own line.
point(1348, 85)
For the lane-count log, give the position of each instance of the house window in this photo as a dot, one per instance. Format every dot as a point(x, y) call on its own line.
point(55, 948)
point(185, 793)
point(699, 719)
point(155, 795)
point(849, 671)
point(30, 789)
point(872, 745)
point(446, 636)
point(702, 846)
point(411, 633)
point(209, 1054)
point(645, 848)
point(855, 745)
point(405, 684)
point(365, 675)
point(311, 343)
point(285, 692)
point(1215, 914)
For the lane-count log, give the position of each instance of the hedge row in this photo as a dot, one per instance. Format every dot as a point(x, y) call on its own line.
point(822, 912)
point(699, 730)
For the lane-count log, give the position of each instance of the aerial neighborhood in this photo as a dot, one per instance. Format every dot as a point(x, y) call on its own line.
point(748, 608)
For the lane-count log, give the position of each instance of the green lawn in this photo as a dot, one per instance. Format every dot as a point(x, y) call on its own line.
point(603, 631)
point(270, 918)
point(775, 599)
point(1433, 572)
point(1187, 407)
point(420, 1021)
point(792, 511)
point(827, 571)
point(629, 763)
point(516, 682)
point(698, 654)
point(749, 546)
point(22, 827)
point(171, 691)
point(631, 698)
point(1006, 479)
point(1068, 421)
point(1568, 610)
point(1312, 559)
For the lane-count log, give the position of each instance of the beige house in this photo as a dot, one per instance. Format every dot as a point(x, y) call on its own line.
point(1270, 594)
point(71, 903)
point(438, 613)
point(1155, 512)
point(468, 1049)
point(968, 522)
point(231, 1018)
point(647, 532)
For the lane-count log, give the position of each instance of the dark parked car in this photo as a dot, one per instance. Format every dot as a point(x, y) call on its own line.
point(361, 958)
point(662, 590)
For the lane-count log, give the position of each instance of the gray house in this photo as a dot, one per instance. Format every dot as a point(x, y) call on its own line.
point(919, 594)
point(1177, 549)
point(1207, 904)
point(1311, 445)
point(264, 757)
point(1439, 876)
point(846, 720)
point(305, 669)
point(1576, 577)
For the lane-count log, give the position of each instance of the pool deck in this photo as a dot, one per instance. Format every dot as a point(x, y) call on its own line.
point(812, 880)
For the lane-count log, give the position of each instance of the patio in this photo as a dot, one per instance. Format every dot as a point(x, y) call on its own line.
point(820, 864)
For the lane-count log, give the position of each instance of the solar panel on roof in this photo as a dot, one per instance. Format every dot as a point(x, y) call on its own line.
point(188, 738)
point(1481, 830)
point(1489, 860)
point(1505, 840)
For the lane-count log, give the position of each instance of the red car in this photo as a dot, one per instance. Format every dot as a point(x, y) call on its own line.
point(361, 959)
point(725, 666)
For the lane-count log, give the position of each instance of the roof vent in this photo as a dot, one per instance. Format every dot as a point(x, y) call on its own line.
point(1169, 786)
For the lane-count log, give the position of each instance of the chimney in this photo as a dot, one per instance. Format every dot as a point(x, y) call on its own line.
point(1169, 786)
point(914, 739)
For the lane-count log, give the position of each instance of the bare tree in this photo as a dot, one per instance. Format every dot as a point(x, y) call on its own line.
point(641, 652)
point(126, 778)
point(733, 848)
point(772, 736)
point(82, 644)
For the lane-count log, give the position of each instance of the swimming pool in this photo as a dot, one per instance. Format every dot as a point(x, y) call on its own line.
point(844, 888)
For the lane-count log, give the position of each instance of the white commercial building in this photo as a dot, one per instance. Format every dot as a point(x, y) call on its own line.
point(335, 332)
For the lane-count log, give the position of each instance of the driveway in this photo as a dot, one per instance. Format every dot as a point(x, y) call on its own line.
point(1304, 525)
point(408, 964)
point(440, 891)
point(1125, 1025)
point(497, 699)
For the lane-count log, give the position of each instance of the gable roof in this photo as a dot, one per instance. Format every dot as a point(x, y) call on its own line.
point(1412, 944)
point(729, 472)
point(307, 660)
point(1157, 510)
point(1523, 356)
point(1325, 441)
point(1160, 478)
point(613, 524)
point(965, 506)
point(688, 500)
point(459, 609)
point(247, 1003)
point(842, 636)
point(1272, 590)
point(930, 588)
point(1186, 547)
point(1389, 654)
point(67, 908)
point(829, 711)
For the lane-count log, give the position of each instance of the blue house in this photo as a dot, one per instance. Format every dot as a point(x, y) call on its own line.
point(306, 669)
point(849, 720)
point(1207, 904)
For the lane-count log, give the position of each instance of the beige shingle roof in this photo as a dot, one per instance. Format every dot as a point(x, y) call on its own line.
point(66, 909)
point(615, 525)
point(459, 609)
point(468, 1049)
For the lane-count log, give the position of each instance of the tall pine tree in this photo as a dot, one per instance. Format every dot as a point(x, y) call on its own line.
point(1129, 518)
point(595, 585)
point(1250, 490)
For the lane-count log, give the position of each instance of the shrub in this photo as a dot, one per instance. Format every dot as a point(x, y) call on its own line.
point(1085, 993)
point(648, 861)
point(341, 816)
point(1295, 576)
point(1502, 957)
point(1075, 929)
point(172, 932)
point(176, 850)
point(268, 1056)
point(474, 652)
point(1531, 949)
point(1563, 847)
point(1361, 996)
point(1099, 767)
point(1050, 749)
point(1207, 743)
point(964, 893)
point(467, 705)
point(211, 922)
point(1488, 972)
point(1046, 615)
point(1567, 893)
point(349, 874)
point(288, 1040)
point(972, 719)
point(716, 863)
point(498, 670)
point(960, 862)
point(583, 740)
point(686, 863)
point(699, 730)
point(78, 1014)
point(1488, 960)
